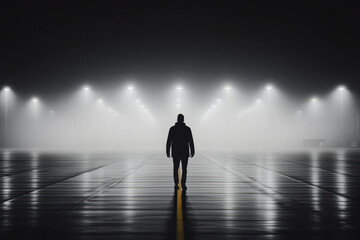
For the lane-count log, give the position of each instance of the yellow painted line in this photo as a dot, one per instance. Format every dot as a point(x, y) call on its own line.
point(179, 213)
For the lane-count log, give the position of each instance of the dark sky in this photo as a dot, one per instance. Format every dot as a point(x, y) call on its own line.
point(304, 47)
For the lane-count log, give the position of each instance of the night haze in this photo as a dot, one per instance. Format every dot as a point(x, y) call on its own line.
point(303, 50)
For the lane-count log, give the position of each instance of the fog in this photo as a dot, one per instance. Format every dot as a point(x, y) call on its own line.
point(131, 116)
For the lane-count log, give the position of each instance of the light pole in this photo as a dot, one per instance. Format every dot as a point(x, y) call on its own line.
point(130, 88)
point(269, 108)
point(7, 90)
point(341, 91)
point(86, 89)
point(52, 113)
point(179, 90)
point(313, 103)
point(85, 108)
point(100, 101)
point(35, 110)
point(35, 102)
point(268, 89)
point(227, 89)
point(357, 128)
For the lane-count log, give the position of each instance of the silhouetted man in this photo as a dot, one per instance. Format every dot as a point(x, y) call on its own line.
point(180, 139)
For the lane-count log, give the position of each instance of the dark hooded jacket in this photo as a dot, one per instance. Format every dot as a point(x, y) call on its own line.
point(180, 139)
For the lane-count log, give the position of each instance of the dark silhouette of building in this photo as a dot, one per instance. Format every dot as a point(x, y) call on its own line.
point(181, 141)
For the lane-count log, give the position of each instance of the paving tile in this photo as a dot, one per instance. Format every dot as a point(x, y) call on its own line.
point(248, 195)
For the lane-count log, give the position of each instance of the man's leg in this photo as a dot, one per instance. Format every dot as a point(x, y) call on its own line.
point(176, 161)
point(184, 163)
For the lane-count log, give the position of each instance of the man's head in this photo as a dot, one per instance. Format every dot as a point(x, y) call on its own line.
point(180, 118)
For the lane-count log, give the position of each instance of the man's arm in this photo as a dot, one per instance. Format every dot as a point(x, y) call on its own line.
point(168, 143)
point(191, 143)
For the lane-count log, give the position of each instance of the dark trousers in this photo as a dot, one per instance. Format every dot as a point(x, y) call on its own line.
point(184, 163)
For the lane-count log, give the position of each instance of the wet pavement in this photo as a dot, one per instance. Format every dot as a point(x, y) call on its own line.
point(249, 195)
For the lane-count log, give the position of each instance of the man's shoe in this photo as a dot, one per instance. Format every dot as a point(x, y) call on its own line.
point(176, 187)
point(184, 187)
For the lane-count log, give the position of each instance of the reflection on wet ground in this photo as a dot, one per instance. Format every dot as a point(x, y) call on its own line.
point(258, 195)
